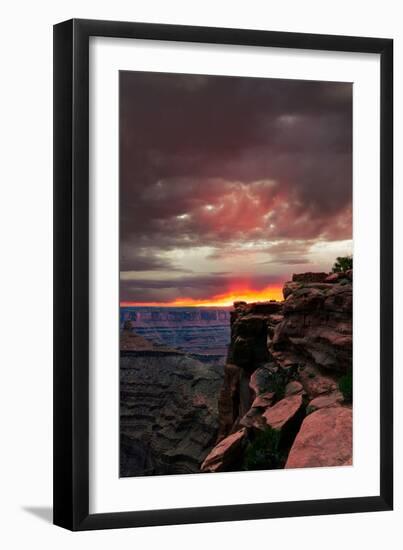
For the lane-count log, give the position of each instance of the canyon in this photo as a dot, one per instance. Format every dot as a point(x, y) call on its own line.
point(168, 408)
point(279, 395)
point(203, 332)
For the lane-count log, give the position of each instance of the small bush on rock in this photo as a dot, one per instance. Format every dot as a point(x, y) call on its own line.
point(342, 263)
point(263, 453)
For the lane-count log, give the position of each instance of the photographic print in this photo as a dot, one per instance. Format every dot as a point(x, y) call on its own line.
point(225, 202)
point(236, 273)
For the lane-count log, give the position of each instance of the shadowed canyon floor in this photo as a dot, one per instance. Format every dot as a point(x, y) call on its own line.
point(168, 409)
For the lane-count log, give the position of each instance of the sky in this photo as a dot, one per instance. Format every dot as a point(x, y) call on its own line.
point(229, 185)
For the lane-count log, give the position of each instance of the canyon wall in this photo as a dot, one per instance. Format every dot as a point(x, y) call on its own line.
point(202, 332)
point(286, 399)
point(168, 408)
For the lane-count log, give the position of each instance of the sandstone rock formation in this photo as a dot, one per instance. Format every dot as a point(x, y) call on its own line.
point(225, 454)
point(316, 330)
point(325, 439)
point(284, 365)
point(334, 399)
point(283, 412)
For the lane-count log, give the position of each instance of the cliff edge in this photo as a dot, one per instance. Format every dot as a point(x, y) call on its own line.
point(286, 398)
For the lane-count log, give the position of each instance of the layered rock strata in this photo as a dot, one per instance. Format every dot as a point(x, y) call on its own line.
point(283, 376)
point(168, 409)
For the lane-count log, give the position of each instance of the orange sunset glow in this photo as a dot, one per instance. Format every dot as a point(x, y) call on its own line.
point(229, 186)
point(220, 300)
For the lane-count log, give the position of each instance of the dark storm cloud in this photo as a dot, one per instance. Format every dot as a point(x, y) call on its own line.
point(133, 258)
point(215, 161)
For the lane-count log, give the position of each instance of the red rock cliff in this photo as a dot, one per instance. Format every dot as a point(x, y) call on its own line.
point(288, 375)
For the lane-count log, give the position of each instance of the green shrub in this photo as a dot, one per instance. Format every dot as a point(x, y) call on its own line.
point(342, 263)
point(263, 452)
point(346, 386)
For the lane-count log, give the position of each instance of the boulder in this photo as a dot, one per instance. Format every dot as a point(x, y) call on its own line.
point(324, 439)
point(283, 412)
point(293, 388)
point(224, 455)
point(334, 399)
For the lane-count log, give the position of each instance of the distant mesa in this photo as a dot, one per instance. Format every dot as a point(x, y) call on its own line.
point(131, 342)
point(202, 332)
point(168, 408)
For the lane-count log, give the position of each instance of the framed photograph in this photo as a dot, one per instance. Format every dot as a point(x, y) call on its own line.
point(223, 204)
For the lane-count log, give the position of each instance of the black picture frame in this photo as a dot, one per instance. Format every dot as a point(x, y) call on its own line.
point(71, 274)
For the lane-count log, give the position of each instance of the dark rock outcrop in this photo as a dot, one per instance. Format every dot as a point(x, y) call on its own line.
point(316, 329)
point(229, 400)
point(284, 364)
